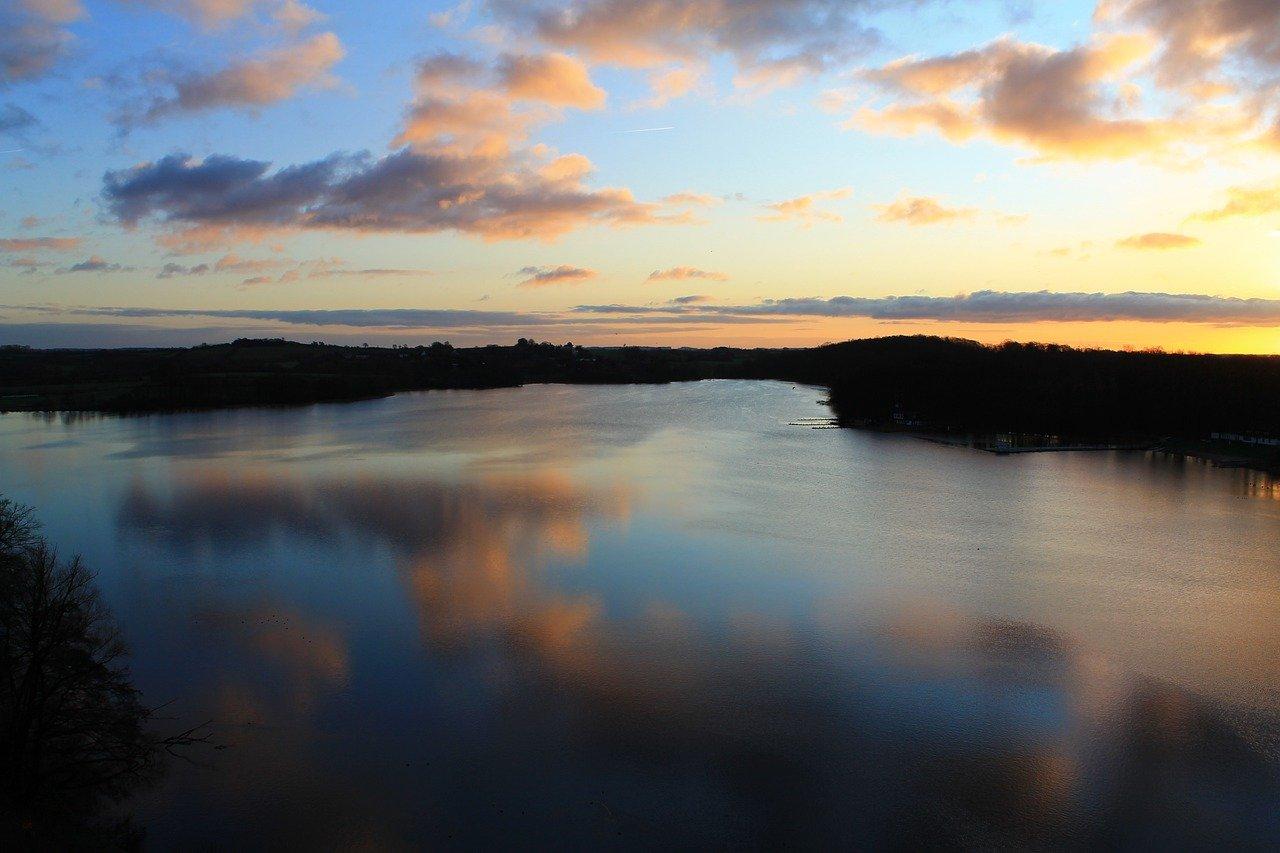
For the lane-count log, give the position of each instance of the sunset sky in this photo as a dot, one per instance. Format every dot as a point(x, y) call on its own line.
point(674, 172)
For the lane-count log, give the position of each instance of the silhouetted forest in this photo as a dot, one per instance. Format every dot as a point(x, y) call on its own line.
point(952, 385)
point(279, 372)
point(921, 383)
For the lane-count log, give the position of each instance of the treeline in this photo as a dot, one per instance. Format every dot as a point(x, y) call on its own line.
point(279, 372)
point(956, 385)
point(940, 384)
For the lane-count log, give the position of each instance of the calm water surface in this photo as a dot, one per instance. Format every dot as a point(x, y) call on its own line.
point(661, 615)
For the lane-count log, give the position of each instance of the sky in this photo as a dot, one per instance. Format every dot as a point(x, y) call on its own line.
point(658, 172)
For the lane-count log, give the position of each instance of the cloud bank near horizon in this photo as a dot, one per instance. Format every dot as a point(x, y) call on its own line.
point(978, 308)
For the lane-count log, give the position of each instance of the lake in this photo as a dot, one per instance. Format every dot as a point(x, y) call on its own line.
point(664, 615)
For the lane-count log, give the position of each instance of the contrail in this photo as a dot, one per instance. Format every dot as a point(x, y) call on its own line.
point(12, 150)
point(646, 130)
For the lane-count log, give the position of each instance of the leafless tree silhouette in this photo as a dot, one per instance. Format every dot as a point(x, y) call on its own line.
point(74, 733)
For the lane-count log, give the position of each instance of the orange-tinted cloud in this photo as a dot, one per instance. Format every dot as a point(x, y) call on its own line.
point(215, 14)
point(691, 199)
point(272, 76)
point(771, 42)
point(922, 210)
point(670, 84)
point(1071, 104)
point(563, 274)
point(464, 165)
point(1159, 240)
point(1203, 42)
point(686, 274)
point(552, 78)
point(804, 209)
point(1246, 201)
point(36, 244)
point(225, 198)
point(34, 37)
point(467, 107)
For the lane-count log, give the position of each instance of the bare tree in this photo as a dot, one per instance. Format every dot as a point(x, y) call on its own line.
point(74, 732)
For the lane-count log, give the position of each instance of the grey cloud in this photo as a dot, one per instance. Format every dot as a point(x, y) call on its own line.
point(562, 274)
point(171, 269)
point(251, 83)
point(14, 119)
point(990, 306)
point(95, 263)
point(1200, 34)
point(30, 43)
point(406, 191)
point(38, 244)
point(372, 318)
point(218, 189)
point(769, 40)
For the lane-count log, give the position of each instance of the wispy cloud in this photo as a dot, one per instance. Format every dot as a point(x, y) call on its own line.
point(989, 306)
point(267, 78)
point(37, 244)
point(1158, 240)
point(95, 263)
point(686, 274)
point(563, 274)
point(1247, 202)
point(922, 210)
point(804, 209)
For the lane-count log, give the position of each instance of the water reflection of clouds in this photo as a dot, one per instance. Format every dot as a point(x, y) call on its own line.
point(237, 511)
point(916, 724)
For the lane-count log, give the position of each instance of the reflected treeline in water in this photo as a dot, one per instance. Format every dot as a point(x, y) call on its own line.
point(74, 734)
point(552, 709)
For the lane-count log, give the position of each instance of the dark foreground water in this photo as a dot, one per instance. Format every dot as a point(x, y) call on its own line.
point(661, 616)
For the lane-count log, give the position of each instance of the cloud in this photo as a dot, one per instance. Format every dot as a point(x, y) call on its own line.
point(370, 272)
point(14, 119)
point(314, 269)
point(467, 106)
point(28, 265)
point(803, 209)
point(38, 244)
point(234, 263)
point(670, 84)
point(376, 318)
point(33, 37)
point(771, 42)
point(403, 192)
point(1204, 38)
point(539, 276)
point(692, 299)
point(922, 210)
point(552, 78)
point(1245, 201)
point(685, 274)
point(171, 270)
point(990, 306)
point(215, 14)
point(294, 16)
point(1158, 240)
point(691, 199)
point(95, 263)
point(1059, 104)
point(272, 76)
